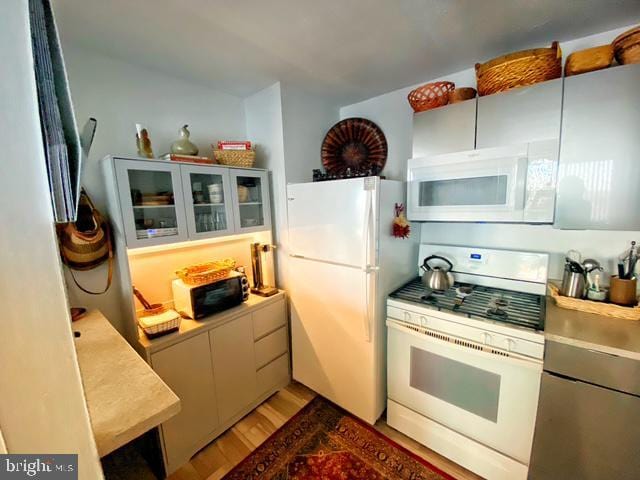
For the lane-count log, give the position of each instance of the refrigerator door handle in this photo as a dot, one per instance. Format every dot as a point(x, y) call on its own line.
point(369, 270)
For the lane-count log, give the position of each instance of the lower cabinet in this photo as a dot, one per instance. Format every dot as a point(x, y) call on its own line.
point(220, 375)
point(186, 367)
point(235, 370)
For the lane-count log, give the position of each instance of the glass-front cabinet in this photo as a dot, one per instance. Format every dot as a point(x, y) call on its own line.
point(251, 200)
point(207, 198)
point(151, 202)
point(166, 202)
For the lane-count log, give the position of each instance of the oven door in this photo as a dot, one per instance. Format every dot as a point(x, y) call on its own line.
point(480, 185)
point(488, 397)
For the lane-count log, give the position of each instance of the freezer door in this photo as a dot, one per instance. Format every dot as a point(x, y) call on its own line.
point(334, 336)
point(333, 221)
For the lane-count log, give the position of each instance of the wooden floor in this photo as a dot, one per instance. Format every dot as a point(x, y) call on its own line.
point(221, 455)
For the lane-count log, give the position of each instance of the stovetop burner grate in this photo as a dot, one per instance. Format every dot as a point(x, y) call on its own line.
point(517, 308)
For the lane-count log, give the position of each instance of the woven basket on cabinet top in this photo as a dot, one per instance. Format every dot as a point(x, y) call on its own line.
point(519, 69)
point(627, 46)
point(430, 95)
point(235, 158)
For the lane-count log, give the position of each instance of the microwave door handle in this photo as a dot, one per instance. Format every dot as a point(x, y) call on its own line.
point(521, 183)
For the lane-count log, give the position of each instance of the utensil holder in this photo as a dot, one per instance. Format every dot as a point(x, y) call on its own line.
point(623, 292)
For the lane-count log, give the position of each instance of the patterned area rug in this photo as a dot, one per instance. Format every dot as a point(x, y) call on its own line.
point(323, 442)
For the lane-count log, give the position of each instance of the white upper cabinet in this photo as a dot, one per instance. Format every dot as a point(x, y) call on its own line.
point(521, 115)
point(599, 170)
point(447, 129)
point(162, 202)
point(250, 191)
point(151, 202)
point(207, 198)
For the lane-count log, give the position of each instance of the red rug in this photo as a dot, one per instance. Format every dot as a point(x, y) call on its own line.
point(323, 442)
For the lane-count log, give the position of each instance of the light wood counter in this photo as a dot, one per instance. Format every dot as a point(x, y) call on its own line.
point(189, 328)
point(124, 395)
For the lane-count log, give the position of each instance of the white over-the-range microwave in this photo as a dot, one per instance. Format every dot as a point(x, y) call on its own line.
point(511, 184)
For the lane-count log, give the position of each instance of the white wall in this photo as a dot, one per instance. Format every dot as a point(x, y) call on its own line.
point(119, 95)
point(43, 409)
point(306, 119)
point(394, 115)
point(263, 111)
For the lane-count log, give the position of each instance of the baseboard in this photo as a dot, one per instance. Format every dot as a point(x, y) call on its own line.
point(471, 455)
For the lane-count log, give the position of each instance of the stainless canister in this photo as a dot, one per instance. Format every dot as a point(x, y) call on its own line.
point(573, 284)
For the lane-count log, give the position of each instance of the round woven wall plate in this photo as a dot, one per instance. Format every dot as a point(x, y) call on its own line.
point(357, 144)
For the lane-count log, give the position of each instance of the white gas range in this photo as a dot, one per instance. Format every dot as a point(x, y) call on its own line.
point(464, 371)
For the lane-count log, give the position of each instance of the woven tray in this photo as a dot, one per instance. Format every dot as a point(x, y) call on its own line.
point(208, 272)
point(589, 306)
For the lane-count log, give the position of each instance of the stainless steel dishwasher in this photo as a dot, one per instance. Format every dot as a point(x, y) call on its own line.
point(588, 423)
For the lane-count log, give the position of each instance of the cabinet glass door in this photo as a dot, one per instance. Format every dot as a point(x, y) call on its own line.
point(151, 200)
point(207, 200)
point(251, 198)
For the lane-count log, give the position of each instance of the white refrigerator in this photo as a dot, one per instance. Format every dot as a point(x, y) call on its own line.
point(343, 263)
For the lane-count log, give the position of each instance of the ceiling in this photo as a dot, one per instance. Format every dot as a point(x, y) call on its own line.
point(348, 50)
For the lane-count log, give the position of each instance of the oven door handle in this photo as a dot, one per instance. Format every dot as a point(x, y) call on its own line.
point(449, 341)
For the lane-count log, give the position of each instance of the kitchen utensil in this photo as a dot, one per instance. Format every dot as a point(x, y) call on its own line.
point(430, 95)
point(243, 194)
point(258, 267)
point(623, 291)
point(591, 264)
point(519, 69)
point(462, 94)
point(437, 278)
point(626, 46)
point(354, 144)
point(588, 60)
point(149, 308)
point(597, 295)
point(573, 282)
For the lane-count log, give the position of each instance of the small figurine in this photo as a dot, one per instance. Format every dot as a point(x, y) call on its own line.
point(143, 142)
point(184, 146)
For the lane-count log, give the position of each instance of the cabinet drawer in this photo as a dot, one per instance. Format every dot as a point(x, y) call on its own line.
point(274, 373)
point(268, 319)
point(271, 346)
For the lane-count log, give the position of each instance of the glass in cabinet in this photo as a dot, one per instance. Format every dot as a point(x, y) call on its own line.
point(207, 201)
point(151, 202)
point(251, 200)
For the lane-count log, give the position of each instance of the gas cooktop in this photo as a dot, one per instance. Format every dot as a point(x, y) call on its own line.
point(475, 301)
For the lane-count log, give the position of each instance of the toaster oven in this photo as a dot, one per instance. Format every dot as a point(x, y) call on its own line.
point(199, 301)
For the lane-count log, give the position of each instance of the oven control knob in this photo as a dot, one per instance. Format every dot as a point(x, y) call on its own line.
point(423, 321)
point(510, 344)
point(407, 317)
point(486, 338)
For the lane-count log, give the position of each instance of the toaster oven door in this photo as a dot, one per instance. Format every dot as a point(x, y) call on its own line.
point(215, 297)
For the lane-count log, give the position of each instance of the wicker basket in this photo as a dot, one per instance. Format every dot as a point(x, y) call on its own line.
point(166, 322)
point(430, 95)
point(599, 308)
point(462, 94)
point(589, 60)
point(627, 46)
point(519, 69)
point(235, 158)
point(208, 272)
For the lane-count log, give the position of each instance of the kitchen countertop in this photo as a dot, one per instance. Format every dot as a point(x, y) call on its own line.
point(614, 336)
point(189, 328)
point(125, 397)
